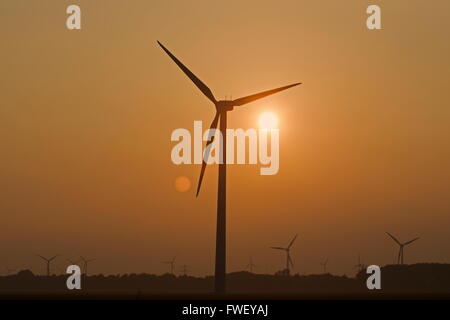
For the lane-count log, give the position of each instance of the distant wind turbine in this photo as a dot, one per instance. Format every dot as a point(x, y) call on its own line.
point(250, 265)
point(359, 266)
point(288, 255)
point(222, 108)
point(401, 246)
point(185, 269)
point(324, 265)
point(85, 264)
point(48, 260)
point(172, 264)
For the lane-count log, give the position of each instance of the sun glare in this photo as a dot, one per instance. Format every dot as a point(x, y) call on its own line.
point(182, 184)
point(268, 120)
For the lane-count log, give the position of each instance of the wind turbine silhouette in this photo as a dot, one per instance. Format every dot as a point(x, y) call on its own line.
point(184, 269)
point(222, 108)
point(360, 266)
point(401, 245)
point(250, 265)
point(48, 262)
point(172, 264)
point(288, 255)
point(85, 263)
point(324, 265)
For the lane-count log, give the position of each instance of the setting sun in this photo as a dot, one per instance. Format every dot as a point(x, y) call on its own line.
point(268, 120)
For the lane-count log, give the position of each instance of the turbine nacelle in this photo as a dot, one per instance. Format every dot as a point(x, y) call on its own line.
point(224, 105)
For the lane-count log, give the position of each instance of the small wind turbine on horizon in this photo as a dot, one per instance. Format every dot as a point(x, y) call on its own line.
point(250, 265)
point(85, 264)
point(172, 264)
point(401, 246)
point(359, 266)
point(48, 260)
point(288, 255)
point(222, 109)
point(184, 269)
point(324, 265)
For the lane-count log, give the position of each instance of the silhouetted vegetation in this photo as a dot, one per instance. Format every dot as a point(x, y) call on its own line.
point(418, 279)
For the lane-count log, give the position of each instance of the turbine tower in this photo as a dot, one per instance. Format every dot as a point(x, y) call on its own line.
point(401, 246)
point(184, 269)
point(85, 263)
point(250, 265)
point(172, 264)
point(222, 108)
point(48, 262)
point(324, 265)
point(288, 255)
point(359, 266)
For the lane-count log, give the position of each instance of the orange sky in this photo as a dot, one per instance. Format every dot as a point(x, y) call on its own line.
point(86, 118)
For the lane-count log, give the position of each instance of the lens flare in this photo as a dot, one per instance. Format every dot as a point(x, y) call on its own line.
point(268, 121)
point(182, 184)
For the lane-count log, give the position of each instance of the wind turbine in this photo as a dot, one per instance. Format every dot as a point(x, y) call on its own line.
point(172, 264)
point(184, 269)
point(48, 262)
point(222, 108)
point(288, 255)
point(250, 265)
point(360, 266)
point(401, 245)
point(324, 265)
point(85, 262)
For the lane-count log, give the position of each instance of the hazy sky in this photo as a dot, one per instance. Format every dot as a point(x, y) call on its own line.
point(86, 118)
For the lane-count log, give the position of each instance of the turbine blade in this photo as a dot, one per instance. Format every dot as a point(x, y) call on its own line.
point(53, 257)
point(292, 241)
point(206, 155)
point(253, 97)
point(278, 248)
point(411, 241)
point(290, 260)
point(42, 257)
point(394, 238)
point(203, 88)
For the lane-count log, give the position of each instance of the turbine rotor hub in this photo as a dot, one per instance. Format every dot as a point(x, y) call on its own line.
point(224, 105)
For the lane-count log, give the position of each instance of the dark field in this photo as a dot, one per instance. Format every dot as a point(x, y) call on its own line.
point(419, 281)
